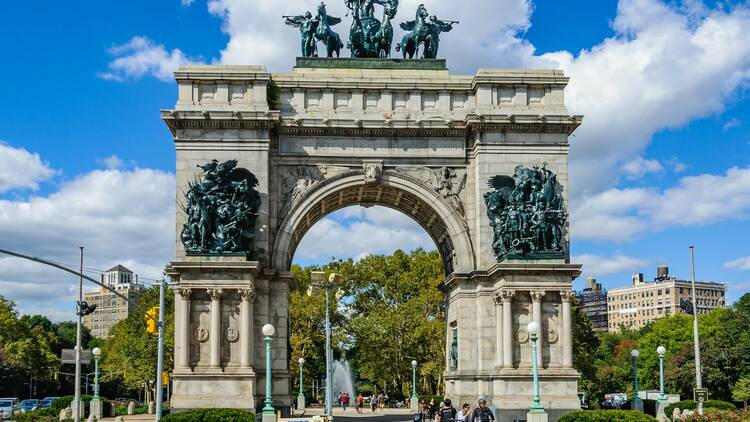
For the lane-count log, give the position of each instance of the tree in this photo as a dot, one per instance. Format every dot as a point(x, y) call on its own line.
point(130, 353)
point(585, 345)
point(741, 391)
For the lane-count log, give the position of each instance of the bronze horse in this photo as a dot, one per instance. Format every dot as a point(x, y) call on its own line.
point(419, 33)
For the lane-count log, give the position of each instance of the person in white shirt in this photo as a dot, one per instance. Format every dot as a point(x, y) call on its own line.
point(464, 414)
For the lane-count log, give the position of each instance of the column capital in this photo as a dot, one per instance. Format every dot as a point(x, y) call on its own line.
point(215, 293)
point(566, 295)
point(537, 295)
point(248, 294)
point(185, 292)
point(505, 295)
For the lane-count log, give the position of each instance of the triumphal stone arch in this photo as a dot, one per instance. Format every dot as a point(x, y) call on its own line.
point(479, 161)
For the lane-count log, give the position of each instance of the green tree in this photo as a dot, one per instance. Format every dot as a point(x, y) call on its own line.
point(586, 342)
point(741, 391)
point(130, 353)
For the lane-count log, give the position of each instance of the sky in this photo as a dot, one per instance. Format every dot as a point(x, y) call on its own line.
point(661, 162)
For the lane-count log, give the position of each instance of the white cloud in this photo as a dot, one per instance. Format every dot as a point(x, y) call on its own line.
point(639, 167)
point(21, 169)
point(113, 162)
point(665, 67)
point(742, 263)
point(732, 123)
point(620, 215)
point(676, 165)
point(356, 232)
point(600, 265)
point(119, 216)
point(186, 2)
point(142, 57)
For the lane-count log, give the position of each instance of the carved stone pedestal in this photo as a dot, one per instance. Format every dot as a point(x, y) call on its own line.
point(489, 353)
point(217, 335)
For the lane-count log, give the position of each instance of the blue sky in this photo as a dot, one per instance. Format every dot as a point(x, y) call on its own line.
point(661, 162)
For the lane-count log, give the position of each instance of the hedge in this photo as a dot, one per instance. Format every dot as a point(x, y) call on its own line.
point(210, 415)
point(39, 415)
point(607, 416)
point(691, 405)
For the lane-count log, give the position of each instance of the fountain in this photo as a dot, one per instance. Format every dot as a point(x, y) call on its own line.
point(343, 380)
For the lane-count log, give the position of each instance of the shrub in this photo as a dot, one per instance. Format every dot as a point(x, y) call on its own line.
point(65, 401)
point(691, 405)
point(607, 416)
point(39, 415)
point(715, 415)
point(210, 415)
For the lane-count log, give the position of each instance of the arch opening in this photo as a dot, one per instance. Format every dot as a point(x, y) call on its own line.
point(427, 209)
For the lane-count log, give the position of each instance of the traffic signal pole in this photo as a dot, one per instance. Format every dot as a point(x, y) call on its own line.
point(160, 356)
point(77, 392)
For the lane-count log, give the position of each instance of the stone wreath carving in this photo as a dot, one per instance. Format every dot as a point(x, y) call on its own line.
point(232, 334)
point(201, 334)
point(522, 335)
point(552, 335)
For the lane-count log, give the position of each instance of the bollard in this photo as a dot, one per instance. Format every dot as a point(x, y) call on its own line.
point(151, 408)
point(131, 408)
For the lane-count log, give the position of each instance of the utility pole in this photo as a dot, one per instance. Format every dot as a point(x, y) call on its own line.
point(696, 339)
point(77, 392)
point(160, 355)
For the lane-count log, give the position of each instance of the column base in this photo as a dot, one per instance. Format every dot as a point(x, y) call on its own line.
point(300, 402)
point(201, 391)
point(537, 417)
point(95, 408)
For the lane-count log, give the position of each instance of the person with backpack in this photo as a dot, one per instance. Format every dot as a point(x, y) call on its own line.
point(447, 412)
point(431, 410)
point(482, 413)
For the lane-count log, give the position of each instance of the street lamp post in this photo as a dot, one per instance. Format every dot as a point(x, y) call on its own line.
point(536, 406)
point(696, 337)
point(637, 403)
point(96, 352)
point(301, 396)
point(314, 290)
point(662, 397)
point(414, 398)
point(269, 413)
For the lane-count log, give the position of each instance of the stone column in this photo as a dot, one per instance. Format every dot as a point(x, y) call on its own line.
point(215, 332)
point(507, 328)
point(536, 310)
point(566, 335)
point(183, 359)
point(246, 333)
point(498, 331)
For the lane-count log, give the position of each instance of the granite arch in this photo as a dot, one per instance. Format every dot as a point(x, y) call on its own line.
point(439, 219)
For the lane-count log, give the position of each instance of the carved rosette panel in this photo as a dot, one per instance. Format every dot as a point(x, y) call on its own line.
point(522, 335)
point(552, 335)
point(201, 334)
point(232, 334)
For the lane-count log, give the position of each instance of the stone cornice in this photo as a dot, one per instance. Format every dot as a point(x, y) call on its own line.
point(428, 126)
point(514, 269)
point(222, 72)
point(175, 269)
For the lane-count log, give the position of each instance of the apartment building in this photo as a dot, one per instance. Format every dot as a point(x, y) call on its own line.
point(110, 308)
point(593, 300)
point(646, 301)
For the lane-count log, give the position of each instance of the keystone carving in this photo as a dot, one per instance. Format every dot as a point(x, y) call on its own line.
point(373, 171)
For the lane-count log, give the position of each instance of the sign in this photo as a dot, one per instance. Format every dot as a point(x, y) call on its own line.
point(700, 395)
point(68, 356)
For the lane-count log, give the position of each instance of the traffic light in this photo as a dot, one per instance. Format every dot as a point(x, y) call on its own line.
point(57, 376)
point(85, 309)
point(164, 378)
point(151, 325)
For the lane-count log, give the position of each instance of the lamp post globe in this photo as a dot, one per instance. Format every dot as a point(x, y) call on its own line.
point(268, 330)
point(301, 361)
point(533, 329)
point(661, 350)
point(635, 353)
point(96, 352)
point(269, 413)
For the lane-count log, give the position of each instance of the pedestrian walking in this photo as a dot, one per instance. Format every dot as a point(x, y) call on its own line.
point(421, 415)
point(373, 403)
point(482, 413)
point(344, 401)
point(360, 403)
point(431, 410)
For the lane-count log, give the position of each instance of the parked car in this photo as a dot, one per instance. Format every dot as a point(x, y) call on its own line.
point(44, 404)
point(53, 398)
point(28, 405)
point(6, 409)
point(14, 400)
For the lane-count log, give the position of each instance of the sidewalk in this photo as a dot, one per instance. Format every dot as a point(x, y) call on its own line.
point(133, 418)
